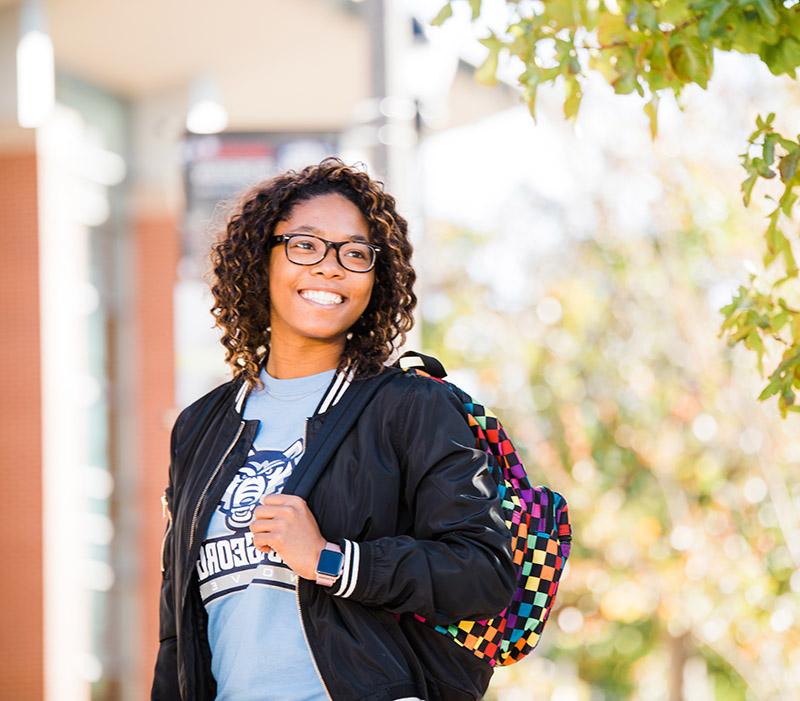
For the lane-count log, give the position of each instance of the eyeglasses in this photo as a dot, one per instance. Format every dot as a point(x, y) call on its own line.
point(307, 249)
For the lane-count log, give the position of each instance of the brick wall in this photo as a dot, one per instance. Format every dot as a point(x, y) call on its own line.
point(21, 587)
point(157, 251)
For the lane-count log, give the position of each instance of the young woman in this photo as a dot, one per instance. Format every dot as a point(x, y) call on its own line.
point(266, 595)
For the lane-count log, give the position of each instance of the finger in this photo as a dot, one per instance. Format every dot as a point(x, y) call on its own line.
point(265, 525)
point(270, 541)
point(282, 499)
point(272, 511)
point(261, 542)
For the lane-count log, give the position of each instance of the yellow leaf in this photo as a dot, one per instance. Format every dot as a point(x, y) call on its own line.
point(487, 71)
point(572, 102)
point(651, 110)
point(611, 29)
point(443, 14)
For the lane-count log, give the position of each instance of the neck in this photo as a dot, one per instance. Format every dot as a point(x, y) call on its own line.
point(288, 360)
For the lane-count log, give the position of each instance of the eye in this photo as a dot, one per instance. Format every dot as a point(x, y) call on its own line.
point(359, 251)
point(302, 243)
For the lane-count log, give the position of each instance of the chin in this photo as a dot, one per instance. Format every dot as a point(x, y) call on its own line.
point(323, 335)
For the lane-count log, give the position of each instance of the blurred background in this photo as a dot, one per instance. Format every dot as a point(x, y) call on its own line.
point(570, 277)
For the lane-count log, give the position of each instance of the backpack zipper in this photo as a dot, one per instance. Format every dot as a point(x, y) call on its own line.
point(208, 484)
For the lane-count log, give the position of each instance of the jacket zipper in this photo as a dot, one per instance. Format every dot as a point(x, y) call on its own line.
point(208, 484)
point(310, 651)
point(297, 597)
point(165, 513)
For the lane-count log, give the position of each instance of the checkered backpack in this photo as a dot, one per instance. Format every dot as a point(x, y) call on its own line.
point(541, 536)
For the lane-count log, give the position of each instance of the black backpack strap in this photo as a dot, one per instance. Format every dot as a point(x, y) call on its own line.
point(339, 419)
point(413, 359)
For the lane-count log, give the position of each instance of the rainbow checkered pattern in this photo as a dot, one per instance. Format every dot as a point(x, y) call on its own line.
point(541, 537)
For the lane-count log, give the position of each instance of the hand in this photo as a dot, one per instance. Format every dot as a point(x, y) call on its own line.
point(285, 524)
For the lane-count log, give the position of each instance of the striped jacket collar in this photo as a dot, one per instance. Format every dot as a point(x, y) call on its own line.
point(340, 381)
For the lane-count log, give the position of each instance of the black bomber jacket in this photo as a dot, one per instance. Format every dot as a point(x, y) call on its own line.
point(418, 516)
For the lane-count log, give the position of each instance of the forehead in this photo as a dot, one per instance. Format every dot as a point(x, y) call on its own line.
point(331, 216)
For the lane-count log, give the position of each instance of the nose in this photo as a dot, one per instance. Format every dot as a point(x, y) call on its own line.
point(329, 265)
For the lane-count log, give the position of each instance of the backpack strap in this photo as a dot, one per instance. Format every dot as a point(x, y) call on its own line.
point(416, 360)
point(339, 419)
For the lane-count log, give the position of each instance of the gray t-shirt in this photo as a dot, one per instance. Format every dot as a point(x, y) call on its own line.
point(258, 648)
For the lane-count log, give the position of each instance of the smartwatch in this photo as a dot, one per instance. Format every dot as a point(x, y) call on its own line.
point(330, 564)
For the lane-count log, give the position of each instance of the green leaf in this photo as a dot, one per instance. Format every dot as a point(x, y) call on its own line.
point(626, 83)
point(790, 360)
point(673, 12)
point(782, 57)
point(786, 400)
point(716, 13)
point(779, 321)
point(691, 62)
point(771, 389)
point(772, 234)
point(788, 165)
point(523, 46)
point(475, 6)
point(789, 259)
point(646, 17)
point(445, 13)
point(492, 42)
point(766, 8)
point(769, 148)
point(658, 56)
point(760, 167)
point(787, 202)
point(660, 74)
point(765, 124)
point(750, 35)
point(747, 188)
point(754, 343)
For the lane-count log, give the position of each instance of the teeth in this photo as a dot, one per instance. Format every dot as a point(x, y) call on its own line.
point(321, 297)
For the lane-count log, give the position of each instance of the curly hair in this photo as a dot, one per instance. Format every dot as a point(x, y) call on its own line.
point(240, 256)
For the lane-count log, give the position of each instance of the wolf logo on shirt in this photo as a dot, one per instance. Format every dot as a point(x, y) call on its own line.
point(265, 472)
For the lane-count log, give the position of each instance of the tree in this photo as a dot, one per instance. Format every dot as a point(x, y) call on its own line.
point(654, 48)
point(685, 529)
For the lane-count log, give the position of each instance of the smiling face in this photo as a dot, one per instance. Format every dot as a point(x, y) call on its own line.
point(300, 322)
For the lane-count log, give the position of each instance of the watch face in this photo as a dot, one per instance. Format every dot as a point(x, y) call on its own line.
point(330, 563)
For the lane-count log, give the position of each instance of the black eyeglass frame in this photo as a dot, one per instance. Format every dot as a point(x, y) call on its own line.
point(335, 245)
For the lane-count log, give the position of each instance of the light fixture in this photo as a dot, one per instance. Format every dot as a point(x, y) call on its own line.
point(206, 114)
point(35, 67)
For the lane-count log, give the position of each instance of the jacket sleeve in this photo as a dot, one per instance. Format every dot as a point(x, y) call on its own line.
point(165, 678)
point(458, 564)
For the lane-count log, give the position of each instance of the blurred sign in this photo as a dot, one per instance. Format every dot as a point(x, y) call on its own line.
point(219, 168)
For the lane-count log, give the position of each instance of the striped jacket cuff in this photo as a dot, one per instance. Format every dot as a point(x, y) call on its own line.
point(349, 577)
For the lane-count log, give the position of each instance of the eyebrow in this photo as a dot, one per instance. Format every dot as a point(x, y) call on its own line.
point(315, 230)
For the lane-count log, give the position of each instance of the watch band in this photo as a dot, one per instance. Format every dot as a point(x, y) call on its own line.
point(327, 579)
